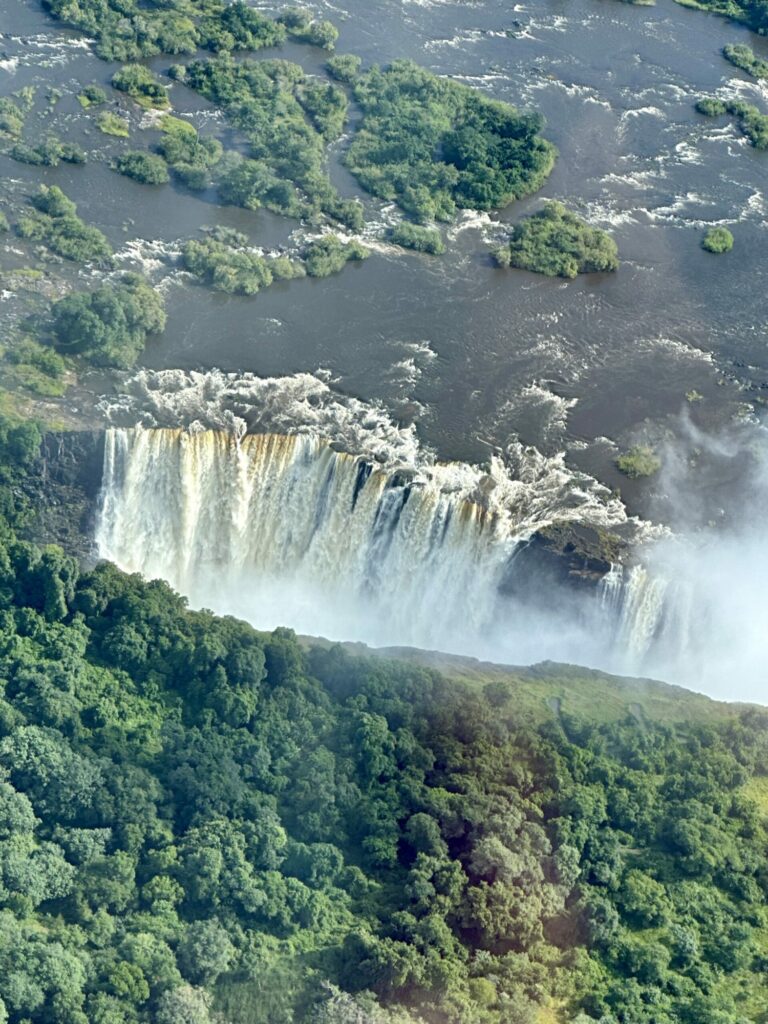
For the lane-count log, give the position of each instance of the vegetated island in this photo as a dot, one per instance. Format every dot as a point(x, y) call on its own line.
point(751, 12)
point(417, 237)
point(717, 240)
point(744, 57)
point(138, 82)
point(640, 461)
point(126, 30)
point(225, 262)
point(434, 145)
point(199, 821)
point(753, 124)
point(556, 242)
point(53, 221)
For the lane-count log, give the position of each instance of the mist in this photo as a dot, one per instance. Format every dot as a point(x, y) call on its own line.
point(694, 609)
point(713, 635)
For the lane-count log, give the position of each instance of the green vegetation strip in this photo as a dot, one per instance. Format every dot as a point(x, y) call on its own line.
point(752, 12)
point(745, 58)
point(753, 124)
point(224, 261)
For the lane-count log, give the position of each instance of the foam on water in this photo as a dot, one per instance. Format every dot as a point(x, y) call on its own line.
point(522, 487)
point(153, 257)
point(643, 111)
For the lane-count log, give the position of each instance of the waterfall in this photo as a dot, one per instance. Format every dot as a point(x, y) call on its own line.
point(634, 600)
point(285, 503)
point(285, 530)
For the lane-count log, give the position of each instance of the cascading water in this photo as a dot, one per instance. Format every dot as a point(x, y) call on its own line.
point(634, 600)
point(385, 545)
point(283, 529)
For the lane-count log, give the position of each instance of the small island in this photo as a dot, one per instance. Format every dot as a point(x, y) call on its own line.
point(638, 462)
point(745, 58)
point(418, 238)
point(557, 243)
point(717, 240)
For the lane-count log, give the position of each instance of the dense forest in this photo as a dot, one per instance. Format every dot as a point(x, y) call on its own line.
point(201, 822)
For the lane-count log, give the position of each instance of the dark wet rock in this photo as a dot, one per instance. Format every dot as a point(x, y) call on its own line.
point(570, 553)
point(63, 491)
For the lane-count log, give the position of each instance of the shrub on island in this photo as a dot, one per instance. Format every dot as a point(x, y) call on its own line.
point(225, 263)
point(344, 67)
point(418, 238)
point(752, 123)
point(711, 106)
point(300, 25)
point(112, 124)
point(91, 96)
point(638, 462)
point(718, 240)
point(190, 156)
point(329, 254)
point(48, 153)
point(744, 57)
point(54, 222)
point(557, 243)
point(141, 85)
point(143, 167)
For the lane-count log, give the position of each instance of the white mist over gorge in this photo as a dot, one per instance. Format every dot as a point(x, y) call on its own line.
point(347, 528)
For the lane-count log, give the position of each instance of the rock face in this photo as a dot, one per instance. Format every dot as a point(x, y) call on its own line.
point(63, 491)
point(567, 553)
